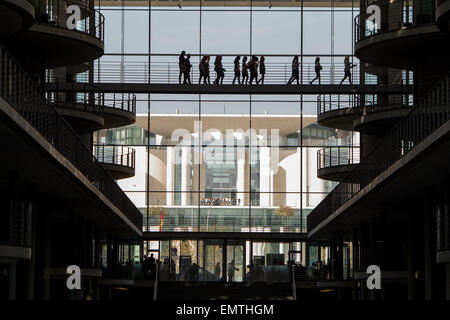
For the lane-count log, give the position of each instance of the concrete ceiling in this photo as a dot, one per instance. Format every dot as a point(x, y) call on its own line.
point(228, 3)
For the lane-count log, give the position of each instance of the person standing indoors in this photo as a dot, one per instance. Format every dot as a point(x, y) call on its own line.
point(253, 66)
point(244, 71)
point(317, 69)
point(231, 268)
point(295, 72)
point(237, 70)
point(187, 70)
point(181, 65)
point(220, 71)
point(347, 70)
point(262, 69)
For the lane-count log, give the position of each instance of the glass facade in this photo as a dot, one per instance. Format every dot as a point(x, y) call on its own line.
point(242, 163)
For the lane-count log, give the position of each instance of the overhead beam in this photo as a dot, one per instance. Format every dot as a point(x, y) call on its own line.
point(269, 89)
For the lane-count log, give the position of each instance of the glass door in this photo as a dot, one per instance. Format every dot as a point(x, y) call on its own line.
point(235, 261)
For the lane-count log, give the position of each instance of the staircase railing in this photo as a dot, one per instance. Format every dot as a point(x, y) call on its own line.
point(24, 95)
point(423, 119)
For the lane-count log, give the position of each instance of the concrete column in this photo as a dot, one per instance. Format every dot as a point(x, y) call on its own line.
point(340, 255)
point(46, 260)
point(363, 257)
point(12, 281)
point(240, 179)
point(185, 173)
point(109, 253)
point(264, 176)
point(31, 270)
point(429, 245)
point(355, 261)
point(169, 174)
point(410, 257)
point(447, 282)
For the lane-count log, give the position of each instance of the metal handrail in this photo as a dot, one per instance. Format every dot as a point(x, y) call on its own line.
point(53, 12)
point(337, 156)
point(423, 119)
point(395, 15)
point(333, 102)
point(92, 98)
point(25, 96)
point(168, 71)
point(116, 155)
point(364, 104)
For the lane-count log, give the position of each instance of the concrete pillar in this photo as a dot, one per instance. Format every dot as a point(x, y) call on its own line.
point(429, 244)
point(46, 260)
point(12, 281)
point(355, 261)
point(31, 270)
point(364, 237)
point(169, 175)
point(410, 258)
point(240, 179)
point(447, 282)
point(340, 255)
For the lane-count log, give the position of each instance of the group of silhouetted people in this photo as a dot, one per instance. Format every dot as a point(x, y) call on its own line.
point(241, 71)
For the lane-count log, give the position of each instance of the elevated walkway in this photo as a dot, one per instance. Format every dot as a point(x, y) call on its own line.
point(266, 89)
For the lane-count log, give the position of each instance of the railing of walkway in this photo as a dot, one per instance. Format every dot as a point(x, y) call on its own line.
point(423, 119)
point(164, 69)
point(24, 95)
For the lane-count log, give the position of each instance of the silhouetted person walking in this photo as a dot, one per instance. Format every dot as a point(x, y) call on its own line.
point(253, 66)
point(317, 69)
point(237, 70)
point(347, 70)
point(208, 79)
point(202, 70)
point(262, 69)
point(295, 72)
point(244, 71)
point(187, 70)
point(220, 71)
point(181, 65)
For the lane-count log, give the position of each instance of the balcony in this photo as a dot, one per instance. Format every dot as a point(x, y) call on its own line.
point(380, 112)
point(15, 16)
point(49, 136)
point(94, 110)
point(335, 163)
point(443, 15)
point(336, 111)
point(15, 229)
point(407, 29)
point(119, 161)
point(53, 36)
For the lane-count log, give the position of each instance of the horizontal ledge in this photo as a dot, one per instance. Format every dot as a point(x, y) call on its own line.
point(223, 235)
point(268, 89)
